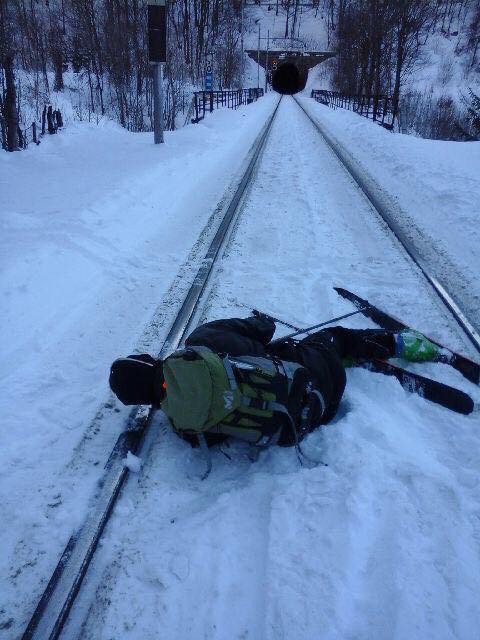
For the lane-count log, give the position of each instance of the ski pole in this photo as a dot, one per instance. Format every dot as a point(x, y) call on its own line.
point(261, 314)
point(299, 331)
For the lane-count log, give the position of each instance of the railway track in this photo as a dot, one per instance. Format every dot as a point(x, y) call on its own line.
point(448, 298)
point(64, 586)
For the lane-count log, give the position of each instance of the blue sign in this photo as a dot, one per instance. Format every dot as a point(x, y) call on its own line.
point(209, 81)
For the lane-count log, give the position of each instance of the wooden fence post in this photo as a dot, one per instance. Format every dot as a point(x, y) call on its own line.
point(58, 119)
point(21, 139)
point(375, 107)
point(196, 106)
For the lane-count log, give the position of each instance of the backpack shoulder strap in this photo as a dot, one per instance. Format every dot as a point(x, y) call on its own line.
point(205, 352)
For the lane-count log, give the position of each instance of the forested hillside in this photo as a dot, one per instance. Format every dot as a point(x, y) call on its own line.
point(95, 50)
point(425, 55)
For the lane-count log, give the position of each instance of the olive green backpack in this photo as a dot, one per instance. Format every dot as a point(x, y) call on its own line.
point(260, 400)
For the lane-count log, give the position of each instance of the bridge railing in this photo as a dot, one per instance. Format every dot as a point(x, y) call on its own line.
point(206, 101)
point(378, 108)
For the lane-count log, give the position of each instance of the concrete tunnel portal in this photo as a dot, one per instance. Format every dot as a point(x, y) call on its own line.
point(287, 71)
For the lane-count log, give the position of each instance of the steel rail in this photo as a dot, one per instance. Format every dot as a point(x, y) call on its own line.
point(378, 204)
point(64, 585)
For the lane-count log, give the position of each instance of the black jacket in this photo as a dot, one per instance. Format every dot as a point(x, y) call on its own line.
point(252, 336)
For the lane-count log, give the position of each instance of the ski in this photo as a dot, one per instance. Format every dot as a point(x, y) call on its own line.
point(468, 368)
point(442, 394)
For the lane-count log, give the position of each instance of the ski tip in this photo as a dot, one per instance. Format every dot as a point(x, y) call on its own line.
point(464, 403)
point(344, 293)
point(352, 297)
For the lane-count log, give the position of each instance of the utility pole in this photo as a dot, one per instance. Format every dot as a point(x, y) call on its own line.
point(266, 61)
point(294, 21)
point(299, 21)
point(157, 56)
point(158, 103)
point(242, 30)
point(258, 58)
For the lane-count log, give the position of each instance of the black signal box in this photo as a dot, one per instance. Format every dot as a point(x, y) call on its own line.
point(157, 31)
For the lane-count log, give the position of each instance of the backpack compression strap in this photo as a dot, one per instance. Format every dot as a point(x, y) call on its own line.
point(246, 401)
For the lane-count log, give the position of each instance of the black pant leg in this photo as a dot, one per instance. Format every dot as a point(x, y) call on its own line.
point(319, 353)
point(362, 343)
point(328, 346)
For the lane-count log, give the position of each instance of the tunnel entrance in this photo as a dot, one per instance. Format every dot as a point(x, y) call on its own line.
point(287, 69)
point(287, 79)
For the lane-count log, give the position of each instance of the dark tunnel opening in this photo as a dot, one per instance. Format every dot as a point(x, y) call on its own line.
point(287, 79)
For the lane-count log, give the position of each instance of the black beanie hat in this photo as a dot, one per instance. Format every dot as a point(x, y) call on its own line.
point(137, 379)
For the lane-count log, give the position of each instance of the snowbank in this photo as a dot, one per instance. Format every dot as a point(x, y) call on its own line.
point(96, 223)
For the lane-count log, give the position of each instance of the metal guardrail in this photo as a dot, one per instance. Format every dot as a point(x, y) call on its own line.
point(378, 108)
point(206, 101)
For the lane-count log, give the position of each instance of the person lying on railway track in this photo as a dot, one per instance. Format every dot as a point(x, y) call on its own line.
point(232, 380)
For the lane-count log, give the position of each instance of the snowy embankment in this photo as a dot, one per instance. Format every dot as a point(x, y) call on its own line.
point(96, 223)
point(433, 189)
point(381, 544)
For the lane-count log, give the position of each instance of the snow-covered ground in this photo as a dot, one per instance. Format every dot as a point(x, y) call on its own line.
point(96, 225)
point(382, 543)
point(100, 235)
point(433, 190)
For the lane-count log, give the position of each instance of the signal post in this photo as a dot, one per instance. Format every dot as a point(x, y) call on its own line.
point(157, 56)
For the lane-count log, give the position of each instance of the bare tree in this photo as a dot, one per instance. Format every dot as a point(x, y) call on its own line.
point(410, 19)
point(474, 36)
point(8, 103)
point(378, 42)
